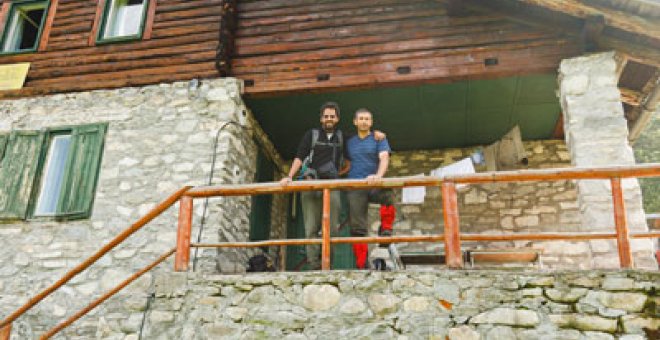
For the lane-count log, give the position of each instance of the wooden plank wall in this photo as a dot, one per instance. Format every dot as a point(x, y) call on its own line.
point(182, 45)
point(288, 46)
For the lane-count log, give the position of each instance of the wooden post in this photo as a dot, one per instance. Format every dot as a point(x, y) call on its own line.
point(182, 258)
point(622, 234)
point(453, 256)
point(5, 332)
point(325, 245)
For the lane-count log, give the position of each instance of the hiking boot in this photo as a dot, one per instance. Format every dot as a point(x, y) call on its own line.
point(385, 233)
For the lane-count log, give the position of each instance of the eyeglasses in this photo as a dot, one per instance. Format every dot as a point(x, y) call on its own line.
point(328, 116)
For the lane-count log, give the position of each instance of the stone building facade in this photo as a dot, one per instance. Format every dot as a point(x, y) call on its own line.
point(162, 137)
point(159, 139)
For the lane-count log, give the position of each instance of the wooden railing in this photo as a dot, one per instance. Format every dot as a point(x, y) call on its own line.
point(451, 237)
point(5, 325)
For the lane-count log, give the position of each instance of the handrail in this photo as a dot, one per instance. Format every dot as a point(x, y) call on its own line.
point(153, 213)
point(645, 170)
point(424, 238)
point(106, 296)
point(452, 236)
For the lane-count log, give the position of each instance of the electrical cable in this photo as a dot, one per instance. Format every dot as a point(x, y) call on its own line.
point(210, 182)
point(150, 299)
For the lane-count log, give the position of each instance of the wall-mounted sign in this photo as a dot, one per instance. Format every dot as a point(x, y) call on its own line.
point(13, 76)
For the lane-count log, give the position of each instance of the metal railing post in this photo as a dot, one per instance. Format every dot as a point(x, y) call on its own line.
point(453, 256)
point(5, 332)
point(325, 245)
point(620, 221)
point(182, 258)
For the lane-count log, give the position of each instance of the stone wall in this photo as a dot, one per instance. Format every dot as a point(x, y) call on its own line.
point(455, 305)
point(597, 135)
point(495, 208)
point(159, 139)
point(647, 150)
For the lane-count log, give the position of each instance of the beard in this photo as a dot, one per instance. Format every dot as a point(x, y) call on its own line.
point(329, 127)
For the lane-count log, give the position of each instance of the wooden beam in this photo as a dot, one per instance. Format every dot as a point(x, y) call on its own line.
point(621, 224)
point(45, 33)
point(621, 62)
point(182, 257)
point(642, 54)
point(558, 132)
point(100, 5)
point(591, 32)
point(649, 106)
point(456, 8)
point(529, 12)
point(228, 24)
point(454, 258)
point(149, 24)
point(5, 332)
point(325, 245)
point(624, 21)
point(630, 97)
point(639, 171)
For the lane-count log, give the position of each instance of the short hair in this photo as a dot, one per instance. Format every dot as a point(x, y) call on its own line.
point(330, 105)
point(363, 110)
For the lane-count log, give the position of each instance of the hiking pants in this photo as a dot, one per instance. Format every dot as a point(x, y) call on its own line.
point(359, 200)
point(312, 206)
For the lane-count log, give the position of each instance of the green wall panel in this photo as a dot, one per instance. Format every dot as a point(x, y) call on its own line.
point(428, 116)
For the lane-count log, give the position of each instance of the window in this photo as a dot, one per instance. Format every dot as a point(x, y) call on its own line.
point(122, 20)
point(53, 175)
point(50, 173)
point(23, 26)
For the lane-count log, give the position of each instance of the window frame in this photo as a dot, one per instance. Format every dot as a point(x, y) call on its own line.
point(49, 134)
point(82, 171)
point(103, 21)
point(8, 18)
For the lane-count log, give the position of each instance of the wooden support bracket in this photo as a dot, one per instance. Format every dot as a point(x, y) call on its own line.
point(5, 332)
point(325, 245)
point(182, 258)
point(454, 258)
point(622, 234)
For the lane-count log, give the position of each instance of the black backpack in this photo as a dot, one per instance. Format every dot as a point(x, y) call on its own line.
point(306, 166)
point(260, 263)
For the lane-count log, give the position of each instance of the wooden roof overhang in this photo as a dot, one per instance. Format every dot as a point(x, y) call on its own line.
point(630, 27)
point(288, 47)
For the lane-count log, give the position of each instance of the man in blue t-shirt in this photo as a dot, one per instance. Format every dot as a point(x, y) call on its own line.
point(369, 159)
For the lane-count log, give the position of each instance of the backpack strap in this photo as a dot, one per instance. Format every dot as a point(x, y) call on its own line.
point(340, 138)
point(315, 140)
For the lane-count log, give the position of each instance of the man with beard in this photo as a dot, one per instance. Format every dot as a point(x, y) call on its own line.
point(321, 155)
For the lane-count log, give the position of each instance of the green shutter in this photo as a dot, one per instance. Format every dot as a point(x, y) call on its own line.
point(17, 172)
point(3, 143)
point(82, 169)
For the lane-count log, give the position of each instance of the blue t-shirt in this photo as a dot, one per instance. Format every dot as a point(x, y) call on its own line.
point(363, 154)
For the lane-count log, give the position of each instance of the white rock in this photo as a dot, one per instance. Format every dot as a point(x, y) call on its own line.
point(320, 297)
point(507, 316)
point(463, 333)
point(353, 306)
point(128, 162)
point(416, 304)
point(383, 303)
